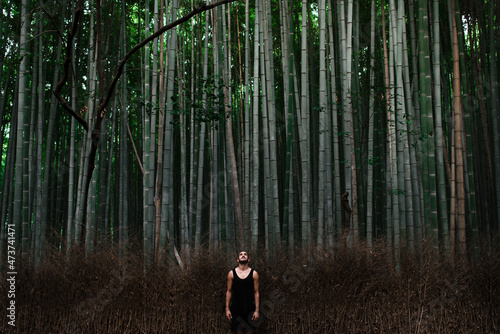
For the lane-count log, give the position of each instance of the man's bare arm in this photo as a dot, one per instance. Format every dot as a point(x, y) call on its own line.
point(229, 293)
point(255, 316)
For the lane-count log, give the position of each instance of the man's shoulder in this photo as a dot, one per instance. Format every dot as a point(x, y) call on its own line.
point(230, 274)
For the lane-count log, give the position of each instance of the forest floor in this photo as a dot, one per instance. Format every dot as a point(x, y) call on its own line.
point(360, 291)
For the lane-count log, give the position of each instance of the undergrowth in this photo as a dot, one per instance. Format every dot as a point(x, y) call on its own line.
point(352, 291)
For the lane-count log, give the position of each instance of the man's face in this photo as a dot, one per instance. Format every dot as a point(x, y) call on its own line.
point(243, 257)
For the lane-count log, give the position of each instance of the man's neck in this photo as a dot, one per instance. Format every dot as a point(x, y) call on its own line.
point(243, 266)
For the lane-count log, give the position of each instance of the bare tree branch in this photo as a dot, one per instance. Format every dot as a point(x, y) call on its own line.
point(66, 65)
point(203, 7)
point(53, 21)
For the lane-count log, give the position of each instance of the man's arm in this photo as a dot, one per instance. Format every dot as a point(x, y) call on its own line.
point(255, 316)
point(229, 293)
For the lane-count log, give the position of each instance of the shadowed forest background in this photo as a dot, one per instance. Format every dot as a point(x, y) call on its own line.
point(352, 147)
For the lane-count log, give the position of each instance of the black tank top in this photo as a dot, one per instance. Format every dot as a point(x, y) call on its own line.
point(243, 298)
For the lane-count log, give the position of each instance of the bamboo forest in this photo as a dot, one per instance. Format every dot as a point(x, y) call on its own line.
point(162, 132)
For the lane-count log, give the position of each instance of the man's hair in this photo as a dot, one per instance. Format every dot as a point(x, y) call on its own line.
point(243, 251)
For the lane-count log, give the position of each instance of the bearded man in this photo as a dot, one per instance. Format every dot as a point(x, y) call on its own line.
point(242, 296)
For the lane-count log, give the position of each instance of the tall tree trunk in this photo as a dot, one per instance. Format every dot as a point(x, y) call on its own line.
point(215, 179)
point(22, 107)
point(86, 112)
point(255, 158)
point(304, 135)
point(183, 210)
point(89, 163)
point(414, 128)
point(267, 199)
point(70, 223)
point(33, 170)
point(323, 122)
point(371, 128)
point(470, 128)
point(393, 138)
point(274, 223)
point(38, 220)
point(413, 195)
point(148, 150)
point(428, 153)
point(336, 132)
point(123, 223)
point(289, 108)
point(167, 220)
point(232, 151)
point(494, 106)
point(388, 159)
point(441, 177)
point(201, 153)
point(153, 160)
point(160, 241)
point(462, 247)
point(352, 117)
point(7, 191)
point(346, 45)
point(247, 135)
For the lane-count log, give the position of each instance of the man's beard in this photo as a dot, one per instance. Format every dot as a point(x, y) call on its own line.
point(243, 261)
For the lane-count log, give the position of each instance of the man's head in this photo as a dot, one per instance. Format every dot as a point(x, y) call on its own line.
point(243, 257)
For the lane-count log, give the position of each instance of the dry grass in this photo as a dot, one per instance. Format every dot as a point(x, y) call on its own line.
point(352, 292)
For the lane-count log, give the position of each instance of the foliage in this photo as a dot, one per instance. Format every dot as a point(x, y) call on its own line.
point(213, 109)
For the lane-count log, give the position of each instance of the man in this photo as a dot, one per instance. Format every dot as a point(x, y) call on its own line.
point(242, 296)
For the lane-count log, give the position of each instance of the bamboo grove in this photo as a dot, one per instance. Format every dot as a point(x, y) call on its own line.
point(268, 125)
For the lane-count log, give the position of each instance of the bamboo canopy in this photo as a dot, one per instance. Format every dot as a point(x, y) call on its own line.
point(168, 127)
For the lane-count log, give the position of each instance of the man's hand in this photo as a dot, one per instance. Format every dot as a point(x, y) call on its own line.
point(255, 316)
point(228, 314)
